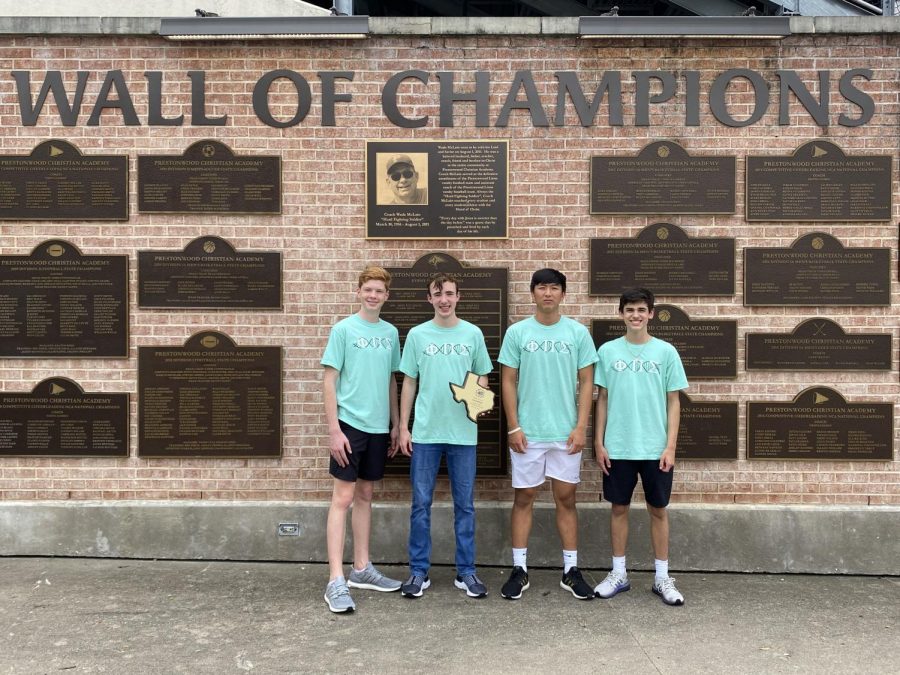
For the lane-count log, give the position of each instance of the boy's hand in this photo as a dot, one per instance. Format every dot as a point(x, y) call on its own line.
point(667, 461)
point(339, 447)
point(575, 442)
point(602, 458)
point(404, 442)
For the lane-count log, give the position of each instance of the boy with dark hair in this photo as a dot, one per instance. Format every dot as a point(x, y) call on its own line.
point(437, 353)
point(635, 430)
point(547, 378)
point(360, 358)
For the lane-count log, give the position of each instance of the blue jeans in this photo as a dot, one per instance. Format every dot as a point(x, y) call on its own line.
point(423, 470)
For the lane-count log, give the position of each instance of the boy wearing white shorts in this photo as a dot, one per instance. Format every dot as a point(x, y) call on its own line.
point(547, 381)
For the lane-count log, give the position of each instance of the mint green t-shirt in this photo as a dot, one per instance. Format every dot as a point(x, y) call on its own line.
point(364, 354)
point(548, 359)
point(637, 379)
point(436, 357)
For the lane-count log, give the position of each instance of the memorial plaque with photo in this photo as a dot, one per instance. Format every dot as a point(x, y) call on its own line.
point(209, 398)
point(819, 182)
point(708, 429)
point(483, 293)
point(209, 273)
point(58, 419)
point(819, 424)
point(209, 178)
point(817, 270)
point(662, 178)
point(437, 189)
point(57, 182)
point(818, 344)
point(708, 347)
point(57, 302)
point(663, 257)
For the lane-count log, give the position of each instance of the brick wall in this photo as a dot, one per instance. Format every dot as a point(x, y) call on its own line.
point(321, 232)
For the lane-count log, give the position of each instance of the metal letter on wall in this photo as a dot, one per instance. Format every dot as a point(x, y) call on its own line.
point(209, 273)
point(817, 270)
point(209, 178)
point(57, 418)
point(437, 189)
point(57, 182)
point(209, 398)
point(663, 178)
point(819, 424)
point(708, 429)
point(483, 301)
point(663, 257)
point(57, 302)
point(707, 347)
point(818, 344)
point(818, 182)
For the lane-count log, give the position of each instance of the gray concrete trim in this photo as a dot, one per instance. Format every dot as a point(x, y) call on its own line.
point(148, 26)
point(731, 538)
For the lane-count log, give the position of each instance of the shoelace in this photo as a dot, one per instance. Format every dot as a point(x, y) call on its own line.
point(338, 590)
point(667, 584)
point(615, 578)
point(470, 579)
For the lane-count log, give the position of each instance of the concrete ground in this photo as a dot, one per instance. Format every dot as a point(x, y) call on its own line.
point(70, 615)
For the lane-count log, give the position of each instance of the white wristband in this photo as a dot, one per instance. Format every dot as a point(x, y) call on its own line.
point(512, 431)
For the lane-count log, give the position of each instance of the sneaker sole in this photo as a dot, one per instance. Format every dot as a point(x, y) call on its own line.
point(337, 610)
point(572, 591)
point(677, 603)
point(516, 597)
point(621, 589)
point(372, 587)
point(416, 595)
point(461, 586)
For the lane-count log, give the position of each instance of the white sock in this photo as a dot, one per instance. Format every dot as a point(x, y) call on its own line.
point(619, 565)
point(570, 560)
point(662, 568)
point(520, 556)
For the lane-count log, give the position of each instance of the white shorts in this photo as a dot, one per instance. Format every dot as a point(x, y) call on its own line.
point(542, 460)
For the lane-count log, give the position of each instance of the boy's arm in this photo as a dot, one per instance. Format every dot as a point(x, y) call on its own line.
point(673, 419)
point(600, 453)
point(407, 396)
point(338, 445)
point(395, 416)
point(578, 437)
point(509, 388)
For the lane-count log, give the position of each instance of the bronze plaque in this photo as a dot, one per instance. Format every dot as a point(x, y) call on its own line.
point(209, 273)
point(59, 419)
point(818, 182)
point(57, 182)
point(437, 189)
point(708, 429)
point(662, 178)
point(209, 398)
point(209, 178)
point(663, 257)
point(708, 347)
point(483, 301)
point(817, 270)
point(818, 344)
point(820, 424)
point(57, 302)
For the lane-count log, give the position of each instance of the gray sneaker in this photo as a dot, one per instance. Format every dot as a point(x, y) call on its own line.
point(373, 580)
point(337, 595)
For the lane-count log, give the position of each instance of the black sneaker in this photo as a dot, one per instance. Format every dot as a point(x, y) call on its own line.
point(573, 582)
point(414, 586)
point(518, 582)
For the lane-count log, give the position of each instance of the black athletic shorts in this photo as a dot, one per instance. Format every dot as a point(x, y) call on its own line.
point(367, 459)
point(618, 486)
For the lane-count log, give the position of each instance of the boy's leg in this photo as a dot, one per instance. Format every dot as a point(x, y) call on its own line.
point(461, 468)
point(566, 515)
point(335, 528)
point(522, 515)
point(659, 531)
point(423, 470)
point(361, 522)
point(618, 529)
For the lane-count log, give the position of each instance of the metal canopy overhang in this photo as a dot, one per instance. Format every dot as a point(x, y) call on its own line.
point(264, 28)
point(761, 27)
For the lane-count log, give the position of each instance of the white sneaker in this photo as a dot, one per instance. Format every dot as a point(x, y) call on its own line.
point(665, 589)
point(612, 584)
